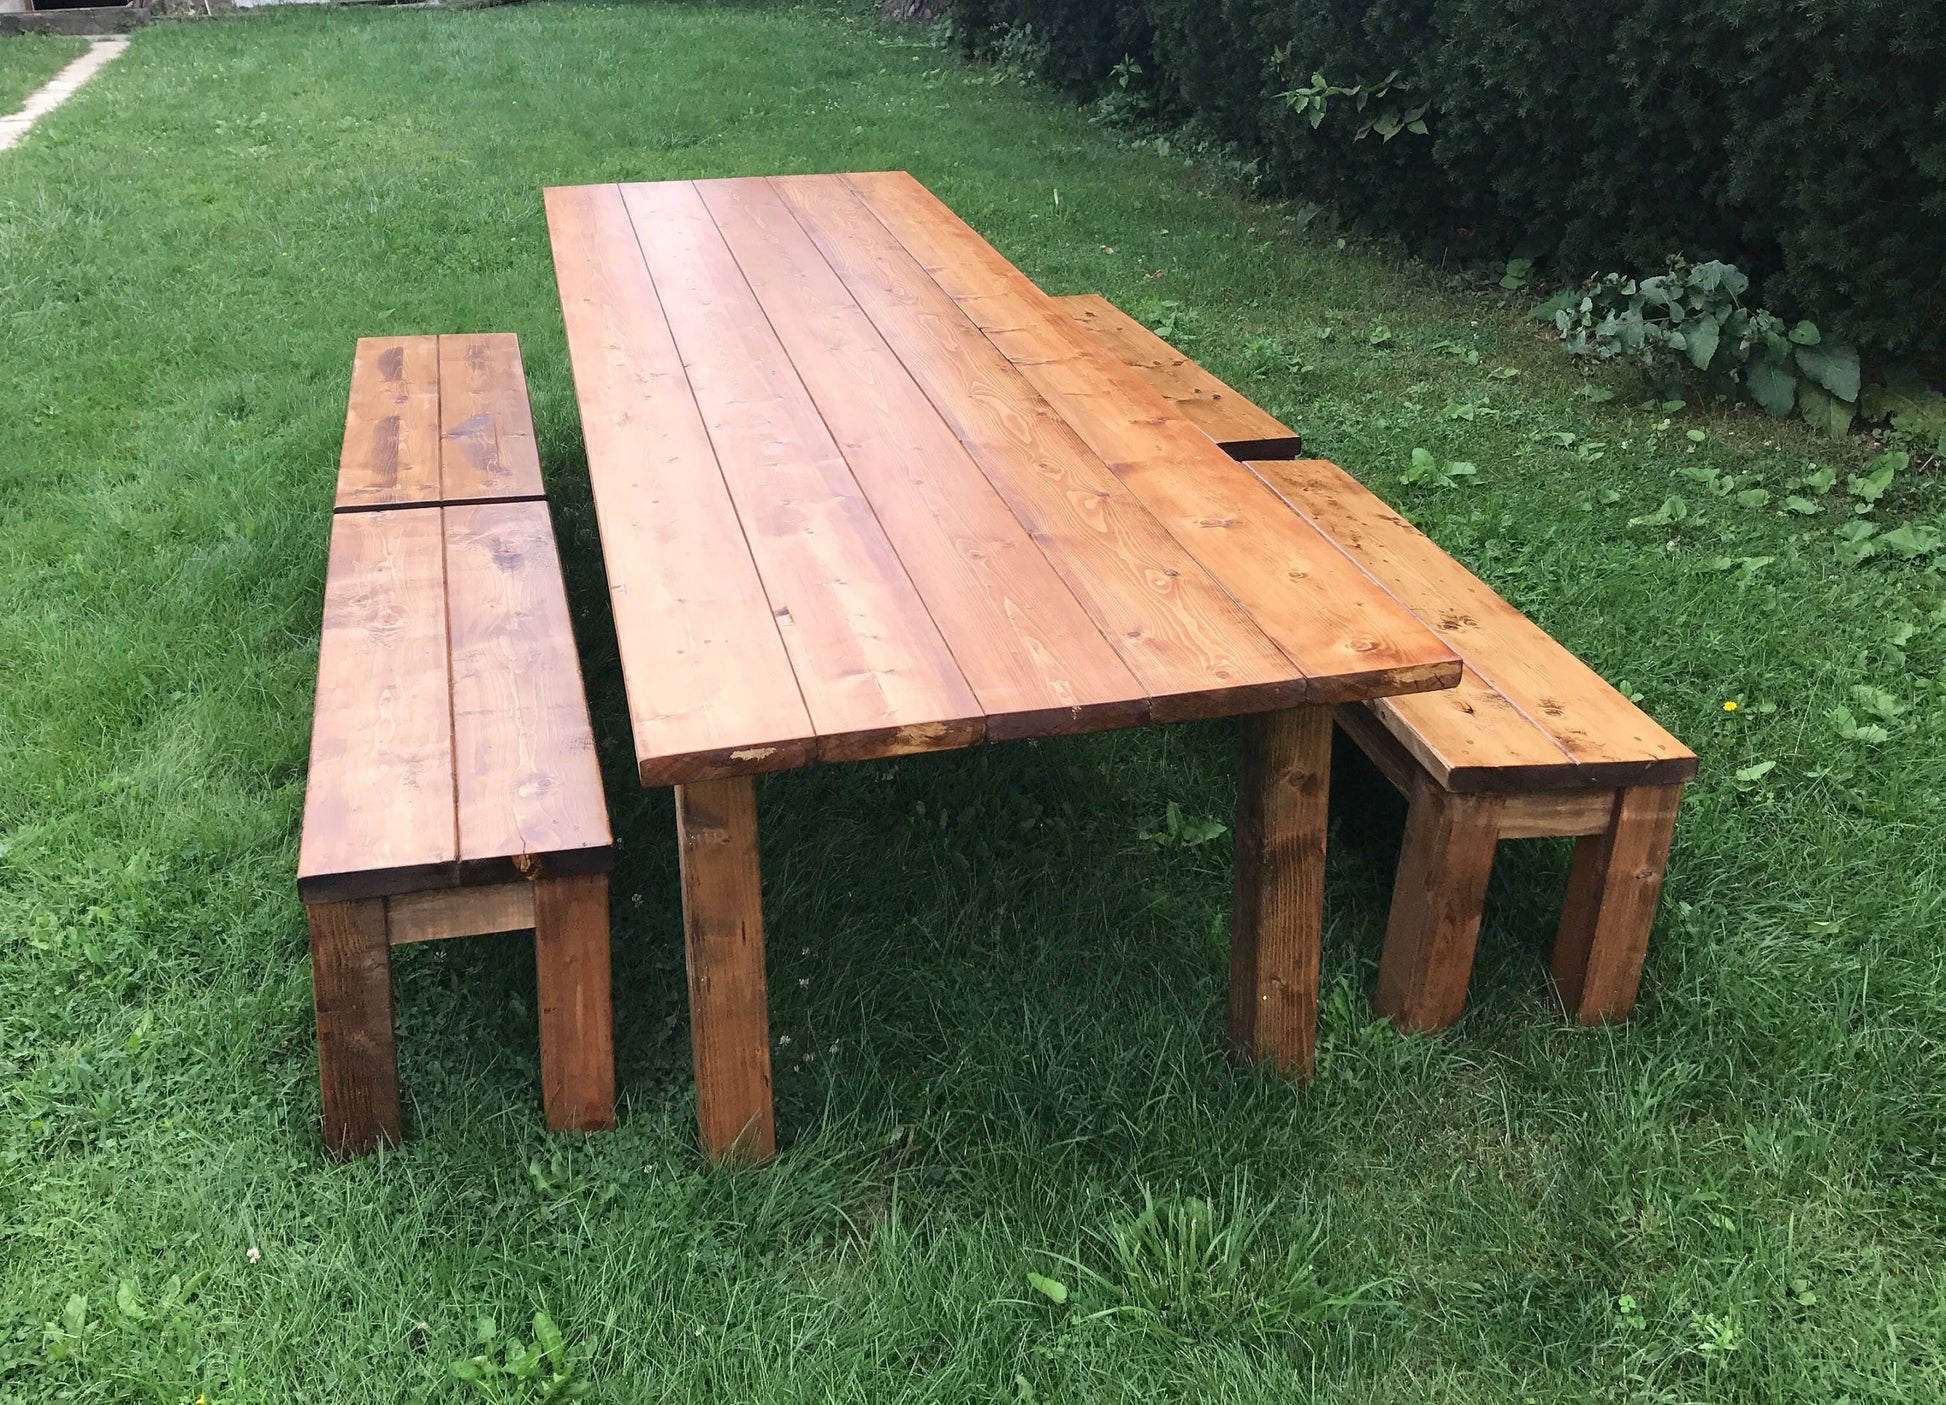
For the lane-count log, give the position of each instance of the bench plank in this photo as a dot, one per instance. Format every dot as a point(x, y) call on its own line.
point(391, 448)
point(486, 425)
point(1467, 742)
point(710, 688)
point(876, 676)
point(1181, 635)
point(1320, 607)
point(378, 812)
point(1239, 427)
point(528, 784)
point(1036, 662)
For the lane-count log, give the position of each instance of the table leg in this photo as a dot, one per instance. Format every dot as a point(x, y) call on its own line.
point(723, 928)
point(1283, 785)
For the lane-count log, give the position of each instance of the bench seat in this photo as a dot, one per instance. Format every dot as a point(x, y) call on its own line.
point(1239, 428)
point(1531, 743)
point(453, 785)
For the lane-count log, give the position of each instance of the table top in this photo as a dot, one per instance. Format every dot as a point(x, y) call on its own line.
point(865, 490)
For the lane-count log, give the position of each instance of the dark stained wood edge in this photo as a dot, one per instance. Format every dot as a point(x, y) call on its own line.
point(351, 985)
point(442, 502)
point(427, 878)
point(1268, 450)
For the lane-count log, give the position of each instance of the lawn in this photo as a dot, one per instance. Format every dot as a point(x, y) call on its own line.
point(997, 1004)
point(29, 60)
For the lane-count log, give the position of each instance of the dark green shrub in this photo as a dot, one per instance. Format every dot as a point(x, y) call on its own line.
point(1805, 141)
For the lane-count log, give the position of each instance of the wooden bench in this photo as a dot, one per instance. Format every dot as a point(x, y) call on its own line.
point(1239, 428)
point(453, 782)
point(1532, 743)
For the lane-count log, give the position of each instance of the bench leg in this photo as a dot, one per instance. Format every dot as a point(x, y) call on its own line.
point(1283, 783)
point(1613, 888)
point(351, 983)
point(576, 1010)
point(723, 931)
point(1437, 900)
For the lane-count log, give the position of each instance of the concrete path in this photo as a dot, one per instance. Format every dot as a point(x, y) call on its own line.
point(59, 89)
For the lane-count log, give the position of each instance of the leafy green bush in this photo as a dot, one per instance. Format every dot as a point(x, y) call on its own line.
point(1805, 142)
point(1691, 323)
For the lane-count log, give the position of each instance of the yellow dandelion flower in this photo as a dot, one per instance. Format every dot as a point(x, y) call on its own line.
point(1730, 706)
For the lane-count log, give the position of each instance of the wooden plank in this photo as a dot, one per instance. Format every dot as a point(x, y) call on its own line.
point(576, 1004)
point(486, 426)
point(729, 1001)
point(379, 811)
point(1613, 888)
point(443, 913)
point(391, 449)
point(1473, 742)
point(710, 688)
point(1186, 641)
point(351, 983)
point(1283, 785)
point(1437, 902)
point(529, 786)
point(1238, 427)
point(1343, 630)
point(1555, 814)
point(877, 678)
point(1034, 660)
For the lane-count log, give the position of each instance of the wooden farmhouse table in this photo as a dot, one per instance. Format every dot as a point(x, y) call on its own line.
point(865, 491)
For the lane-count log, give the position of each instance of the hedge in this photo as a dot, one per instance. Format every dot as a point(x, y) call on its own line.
point(1804, 140)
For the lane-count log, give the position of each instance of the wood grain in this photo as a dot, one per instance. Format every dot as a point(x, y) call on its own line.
point(1239, 428)
point(486, 426)
point(710, 688)
point(378, 809)
point(723, 930)
point(391, 446)
point(1340, 628)
point(1189, 645)
point(1283, 785)
point(1613, 888)
point(529, 787)
point(576, 1008)
point(1537, 716)
point(351, 983)
point(1437, 901)
point(443, 913)
point(876, 676)
point(1035, 661)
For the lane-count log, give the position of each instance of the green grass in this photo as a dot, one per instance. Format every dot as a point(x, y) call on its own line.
point(1003, 1007)
point(29, 60)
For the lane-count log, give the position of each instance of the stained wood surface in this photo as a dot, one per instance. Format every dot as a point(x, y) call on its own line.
point(875, 674)
point(391, 448)
point(1438, 899)
point(450, 743)
point(351, 984)
point(528, 786)
point(845, 516)
point(723, 930)
point(1034, 660)
point(486, 426)
point(1527, 714)
point(1345, 633)
point(1613, 888)
point(441, 913)
point(572, 989)
point(1240, 428)
point(1277, 917)
point(378, 806)
point(710, 687)
point(437, 419)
